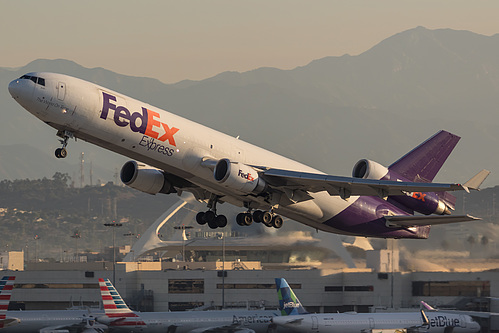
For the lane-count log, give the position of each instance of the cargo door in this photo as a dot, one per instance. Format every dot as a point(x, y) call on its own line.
point(61, 91)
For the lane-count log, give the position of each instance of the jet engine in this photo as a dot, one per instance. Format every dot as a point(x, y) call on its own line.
point(145, 178)
point(239, 177)
point(425, 203)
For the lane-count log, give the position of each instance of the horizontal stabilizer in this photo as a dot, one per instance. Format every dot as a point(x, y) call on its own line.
point(422, 220)
point(477, 180)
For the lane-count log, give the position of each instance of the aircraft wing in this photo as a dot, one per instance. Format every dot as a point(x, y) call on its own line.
point(347, 186)
point(420, 220)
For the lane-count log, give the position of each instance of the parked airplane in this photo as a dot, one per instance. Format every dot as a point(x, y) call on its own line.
point(120, 318)
point(62, 321)
point(296, 318)
point(6, 285)
point(185, 156)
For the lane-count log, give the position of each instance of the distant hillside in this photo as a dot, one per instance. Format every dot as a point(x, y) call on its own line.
point(329, 113)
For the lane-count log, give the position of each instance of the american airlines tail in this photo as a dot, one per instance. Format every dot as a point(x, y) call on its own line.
point(115, 309)
point(6, 286)
point(289, 304)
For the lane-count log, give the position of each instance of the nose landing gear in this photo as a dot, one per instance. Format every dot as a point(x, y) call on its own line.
point(65, 136)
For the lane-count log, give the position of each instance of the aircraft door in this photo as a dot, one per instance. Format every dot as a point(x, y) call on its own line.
point(462, 321)
point(61, 91)
point(315, 323)
point(371, 323)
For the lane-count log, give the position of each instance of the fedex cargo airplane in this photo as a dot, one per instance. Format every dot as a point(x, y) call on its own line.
point(172, 154)
point(119, 318)
point(295, 318)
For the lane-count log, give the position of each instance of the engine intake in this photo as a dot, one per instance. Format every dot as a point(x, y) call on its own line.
point(239, 177)
point(367, 169)
point(145, 178)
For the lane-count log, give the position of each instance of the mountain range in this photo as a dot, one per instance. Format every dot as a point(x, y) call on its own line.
point(328, 114)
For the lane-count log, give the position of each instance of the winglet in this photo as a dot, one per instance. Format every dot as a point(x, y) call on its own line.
point(289, 304)
point(477, 180)
point(427, 306)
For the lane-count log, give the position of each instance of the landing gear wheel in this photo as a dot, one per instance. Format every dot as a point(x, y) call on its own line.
point(61, 153)
point(266, 218)
point(239, 219)
point(209, 216)
point(221, 221)
point(258, 216)
point(200, 218)
point(277, 221)
point(213, 224)
point(247, 219)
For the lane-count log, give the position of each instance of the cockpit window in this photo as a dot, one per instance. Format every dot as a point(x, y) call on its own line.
point(35, 79)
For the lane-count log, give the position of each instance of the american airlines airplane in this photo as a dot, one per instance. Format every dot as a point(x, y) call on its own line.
point(172, 154)
point(6, 285)
point(62, 321)
point(120, 318)
point(295, 318)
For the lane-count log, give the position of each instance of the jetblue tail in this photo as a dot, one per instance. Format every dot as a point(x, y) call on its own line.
point(289, 304)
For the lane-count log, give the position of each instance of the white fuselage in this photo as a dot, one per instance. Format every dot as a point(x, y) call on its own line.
point(169, 142)
point(36, 320)
point(257, 321)
point(365, 322)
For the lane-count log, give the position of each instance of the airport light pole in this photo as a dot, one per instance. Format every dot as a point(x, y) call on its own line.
point(76, 235)
point(222, 236)
point(114, 225)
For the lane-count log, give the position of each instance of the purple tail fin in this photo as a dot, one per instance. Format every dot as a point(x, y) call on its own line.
point(423, 162)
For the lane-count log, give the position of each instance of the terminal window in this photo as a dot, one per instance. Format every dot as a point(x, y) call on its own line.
point(451, 288)
point(253, 286)
point(186, 286)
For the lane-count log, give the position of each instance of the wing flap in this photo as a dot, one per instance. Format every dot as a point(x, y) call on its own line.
point(423, 220)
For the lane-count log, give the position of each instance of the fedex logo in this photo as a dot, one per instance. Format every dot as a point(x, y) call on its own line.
point(246, 176)
point(148, 122)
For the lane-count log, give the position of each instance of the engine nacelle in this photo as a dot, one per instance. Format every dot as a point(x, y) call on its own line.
point(367, 169)
point(425, 203)
point(145, 178)
point(239, 177)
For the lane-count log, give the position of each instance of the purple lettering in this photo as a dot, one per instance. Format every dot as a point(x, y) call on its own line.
point(119, 113)
point(107, 105)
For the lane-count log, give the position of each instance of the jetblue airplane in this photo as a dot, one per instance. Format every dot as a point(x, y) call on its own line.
point(120, 318)
point(172, 154)
point(295, 318)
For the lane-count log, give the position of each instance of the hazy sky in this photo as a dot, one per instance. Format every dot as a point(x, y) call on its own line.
point(176, 40)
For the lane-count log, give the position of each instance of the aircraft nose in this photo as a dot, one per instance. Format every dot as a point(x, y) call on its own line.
point(14, 88)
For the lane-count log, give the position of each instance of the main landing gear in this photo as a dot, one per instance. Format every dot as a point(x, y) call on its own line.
point(269, 219)
point(65, 136)
point(210, 217)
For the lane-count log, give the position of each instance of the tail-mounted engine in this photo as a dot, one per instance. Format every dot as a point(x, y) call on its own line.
point(145, 178)
point(239, 177)
point(425, 203)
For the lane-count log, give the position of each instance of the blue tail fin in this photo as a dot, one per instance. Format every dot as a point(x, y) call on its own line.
point(289, 304)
